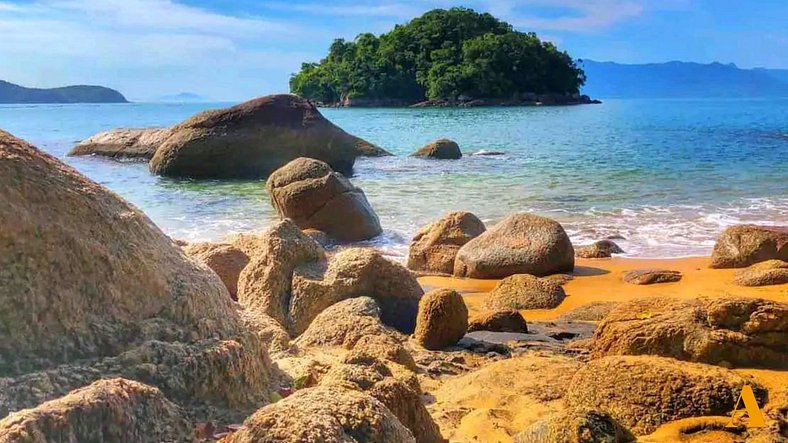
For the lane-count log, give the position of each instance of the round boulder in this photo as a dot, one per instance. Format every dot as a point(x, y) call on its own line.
point(313, 196)
point(743, 245)
point(498, 321)
point(769, 272)
point(518, 244)
point(435, 246)
point(523, 291)
point(253, 139)
point(442, 320)
point(443, 149)
point(643, 392)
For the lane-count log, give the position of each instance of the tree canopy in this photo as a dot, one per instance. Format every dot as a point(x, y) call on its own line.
point(442, 55)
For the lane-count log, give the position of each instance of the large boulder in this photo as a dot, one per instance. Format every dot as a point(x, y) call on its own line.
point(123, 143)
point(442, 149)
point(766, 273)
point(576, 426)
point(225, 259)
point(442, 319)
point(643, 392)
point(86, 274)
point(107, 410)
point(518, 244)
point(743, 245)
point(746, 332)
point(523, 291)
point(253, 139)
point(354, 272)
point(313, 196)
point(326, 414)
point(344, 324)
point(435, 246)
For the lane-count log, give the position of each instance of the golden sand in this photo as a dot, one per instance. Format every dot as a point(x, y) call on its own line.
point(495, 402)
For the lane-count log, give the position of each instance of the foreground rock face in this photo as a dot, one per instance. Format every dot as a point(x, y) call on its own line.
point(344, 324)
point(139, 143)
point(523, 291)
point(651, 276)
point(736, 331)
point(85, 274)
point(313, 196)
point(435, 246)
point(769, 272)
point(443, 149)
point(226, 260)
point(743, 245)
point(253, 139)
point(518, 244)
point(442, 320)
point(328, 414)
point(498, 321)
point(107, 410)
point(600, 249)
point(643, 392)
point(576, 426)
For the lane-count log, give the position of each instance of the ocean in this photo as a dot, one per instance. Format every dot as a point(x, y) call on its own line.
point(665, 175)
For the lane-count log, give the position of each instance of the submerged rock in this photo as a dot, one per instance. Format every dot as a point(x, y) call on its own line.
point(253, 139)
point(523, 291)
point(107, 410)
point(442, 319)
point(743, 245)
point(121, 143)
point(651, 276)
point(518, 244)
point(435, 246)
point(326, 414)
point(600, 249)
point(769, 272)
point(747, 332)
point(443, 149)
point(643, 392)
point(313, 196)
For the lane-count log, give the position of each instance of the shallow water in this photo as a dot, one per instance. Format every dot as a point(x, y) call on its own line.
point(667, 175)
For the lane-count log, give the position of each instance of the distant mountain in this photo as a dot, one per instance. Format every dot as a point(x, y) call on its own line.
point(11, 93)
point(182, 97)
point(681, 80)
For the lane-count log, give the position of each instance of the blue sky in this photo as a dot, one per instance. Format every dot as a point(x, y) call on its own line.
point(232, 50)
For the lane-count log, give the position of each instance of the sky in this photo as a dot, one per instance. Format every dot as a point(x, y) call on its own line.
point(234, 50)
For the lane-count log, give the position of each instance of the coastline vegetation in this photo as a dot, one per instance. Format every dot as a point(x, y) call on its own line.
point(454, 54)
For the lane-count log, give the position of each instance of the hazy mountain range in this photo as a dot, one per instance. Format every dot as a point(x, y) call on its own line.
point(11, 93)
point(681, 80)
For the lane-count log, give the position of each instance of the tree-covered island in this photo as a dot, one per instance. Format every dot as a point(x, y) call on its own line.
point(445, 57)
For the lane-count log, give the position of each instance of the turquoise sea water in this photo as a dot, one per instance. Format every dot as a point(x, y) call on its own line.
point(667, 175)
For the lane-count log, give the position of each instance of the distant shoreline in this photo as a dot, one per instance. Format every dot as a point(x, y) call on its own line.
point(546, 100)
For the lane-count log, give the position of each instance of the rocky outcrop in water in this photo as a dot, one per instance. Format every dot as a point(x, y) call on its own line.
point(441, 149)
point(121, 143)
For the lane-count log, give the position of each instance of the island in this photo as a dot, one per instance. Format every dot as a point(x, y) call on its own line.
point(15, 94)
point(454, 57)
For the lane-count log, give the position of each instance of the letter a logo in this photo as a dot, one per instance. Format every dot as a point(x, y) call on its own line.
point(751, 407)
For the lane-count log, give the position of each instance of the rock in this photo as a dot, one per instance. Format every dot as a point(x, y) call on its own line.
point(498, 321)
point(86, 275)
point(576, 426)
point(435, 246)
point(226, 260)
point(746, 332)
point(518, 244)
point(384, 347)
point(743, 245)
point(643, 392)
point(107, 410)
point(366, 149)
point(327, 414)
point(344, 324)
point(265, 283)
point(651, 276)
point(766, 273)
point(267, 329)
point(320, 237)
point(600, 249)
point(354, 272)
point(523, 291)
point(594, 311)
point(313, 196)
point(442, 320)
point(443, 149)
point(253, 139)
point(120, 143)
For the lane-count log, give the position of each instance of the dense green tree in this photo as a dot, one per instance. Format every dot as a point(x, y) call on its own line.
point(444, 54)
